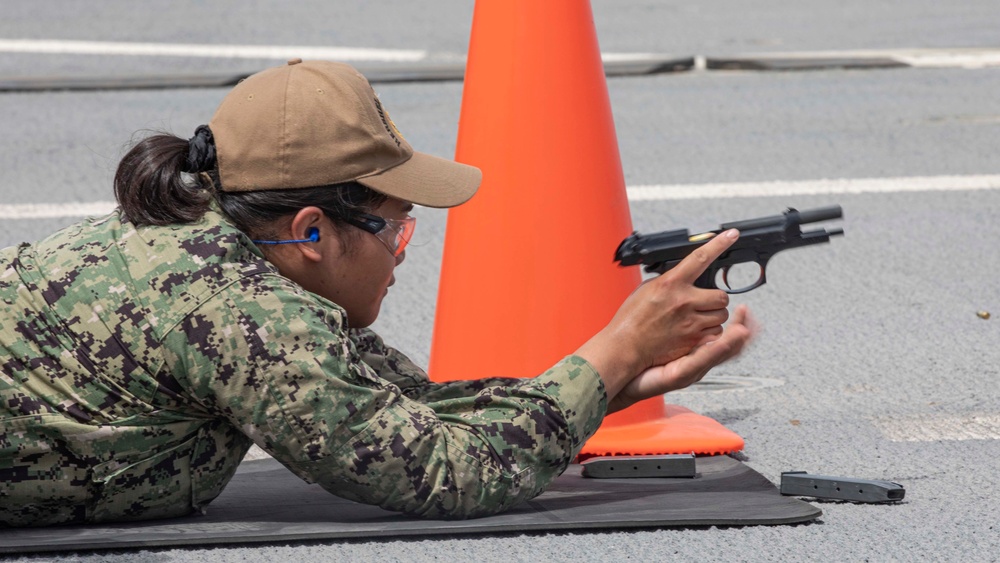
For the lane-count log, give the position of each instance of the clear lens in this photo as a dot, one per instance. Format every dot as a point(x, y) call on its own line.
point(394, 233)
point(397, 234)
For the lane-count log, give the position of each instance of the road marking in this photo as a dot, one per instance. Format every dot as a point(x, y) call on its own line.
point(951, 59)
point(660, 192)
point(940, 428)
point(969, 58)
point(813, 187)
point(280, 52)
point(55, 210)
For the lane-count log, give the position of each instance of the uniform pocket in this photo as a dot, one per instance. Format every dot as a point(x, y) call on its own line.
point(42, 481)
point(159, 486)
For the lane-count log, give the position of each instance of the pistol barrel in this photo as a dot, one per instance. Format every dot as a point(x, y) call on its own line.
point(821, 214)
point(758, 223)
point(807, 216)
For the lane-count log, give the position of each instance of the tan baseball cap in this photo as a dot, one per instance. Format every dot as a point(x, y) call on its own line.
point(318, 123)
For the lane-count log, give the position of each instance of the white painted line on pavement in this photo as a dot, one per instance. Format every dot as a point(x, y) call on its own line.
point(814, 187)
point(640, 193)
point(619, 57)
point(928, 58)
point(969, 58)
point(951, 60)
point(930, 428)
point(55, 210)
point(280, 52)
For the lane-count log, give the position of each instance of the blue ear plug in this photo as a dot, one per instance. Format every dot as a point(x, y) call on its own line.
point(313, 233)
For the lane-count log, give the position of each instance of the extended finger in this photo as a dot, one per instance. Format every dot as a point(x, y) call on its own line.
point(714, 352)
point(736, 337)
point(748, 320)
point(741, 315)
point(691, 368)
point(708, 335)
point(719, 349)
point(697, 262)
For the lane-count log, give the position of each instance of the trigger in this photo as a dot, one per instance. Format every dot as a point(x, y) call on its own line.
point(725, 277)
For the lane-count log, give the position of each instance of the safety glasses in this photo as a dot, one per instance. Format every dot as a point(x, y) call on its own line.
point(394, 233)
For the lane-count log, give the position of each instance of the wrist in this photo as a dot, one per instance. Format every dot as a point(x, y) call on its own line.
point(614, 359)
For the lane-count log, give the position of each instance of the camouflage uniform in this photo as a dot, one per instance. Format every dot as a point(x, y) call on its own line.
point(137, 365)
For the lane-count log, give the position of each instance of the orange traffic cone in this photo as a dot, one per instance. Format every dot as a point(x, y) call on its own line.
point(527, 274)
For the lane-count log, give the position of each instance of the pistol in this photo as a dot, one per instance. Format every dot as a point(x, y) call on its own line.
point(760, 239)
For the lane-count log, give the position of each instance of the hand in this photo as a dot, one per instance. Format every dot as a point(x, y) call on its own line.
point(663, 320)
point(689, 369)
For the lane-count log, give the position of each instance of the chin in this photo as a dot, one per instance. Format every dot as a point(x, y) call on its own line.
point(364, 321)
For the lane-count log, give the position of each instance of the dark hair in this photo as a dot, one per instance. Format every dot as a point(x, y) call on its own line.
point(257, 213)
point(165, 180)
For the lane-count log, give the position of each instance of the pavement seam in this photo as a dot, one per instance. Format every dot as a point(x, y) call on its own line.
point(615, 65)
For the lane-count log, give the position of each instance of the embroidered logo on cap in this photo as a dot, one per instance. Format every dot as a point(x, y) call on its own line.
point(387, 122)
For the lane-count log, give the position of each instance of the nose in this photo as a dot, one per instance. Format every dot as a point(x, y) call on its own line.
point(400, 258)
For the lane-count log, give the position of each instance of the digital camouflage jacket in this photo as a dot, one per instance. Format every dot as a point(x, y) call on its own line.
point(138, 365)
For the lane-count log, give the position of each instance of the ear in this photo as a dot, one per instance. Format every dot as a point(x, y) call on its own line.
point(309, 224)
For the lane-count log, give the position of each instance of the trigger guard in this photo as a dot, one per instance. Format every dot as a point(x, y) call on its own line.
point(761, 280)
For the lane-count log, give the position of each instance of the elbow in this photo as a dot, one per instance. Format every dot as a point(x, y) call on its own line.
point(461, 492)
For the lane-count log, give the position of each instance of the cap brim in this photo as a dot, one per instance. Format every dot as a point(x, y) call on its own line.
point(427, 180)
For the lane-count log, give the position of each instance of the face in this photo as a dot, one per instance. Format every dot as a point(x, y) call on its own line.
point(356, 268)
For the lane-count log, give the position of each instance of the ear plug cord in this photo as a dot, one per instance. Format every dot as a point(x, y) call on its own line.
point(313, 237)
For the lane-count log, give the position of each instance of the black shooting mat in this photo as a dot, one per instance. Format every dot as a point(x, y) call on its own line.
point(267, 503)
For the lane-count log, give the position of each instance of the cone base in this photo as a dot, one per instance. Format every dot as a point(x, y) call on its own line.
point(679, 431)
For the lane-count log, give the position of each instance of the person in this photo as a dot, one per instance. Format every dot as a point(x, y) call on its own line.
point(227, 300)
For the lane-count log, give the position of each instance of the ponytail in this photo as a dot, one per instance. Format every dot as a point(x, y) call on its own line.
point(149, 184)
point(166, 180)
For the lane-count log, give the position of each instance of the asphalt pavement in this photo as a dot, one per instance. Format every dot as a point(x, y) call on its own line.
point(874, 360)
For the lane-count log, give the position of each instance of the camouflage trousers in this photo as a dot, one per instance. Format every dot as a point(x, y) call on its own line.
point(65, 481)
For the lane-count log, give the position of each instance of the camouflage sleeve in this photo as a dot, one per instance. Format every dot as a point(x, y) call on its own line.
point(393, 366)
point(278, 363)
point(387, 362)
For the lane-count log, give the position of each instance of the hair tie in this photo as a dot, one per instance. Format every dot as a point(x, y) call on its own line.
point(201, 151)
